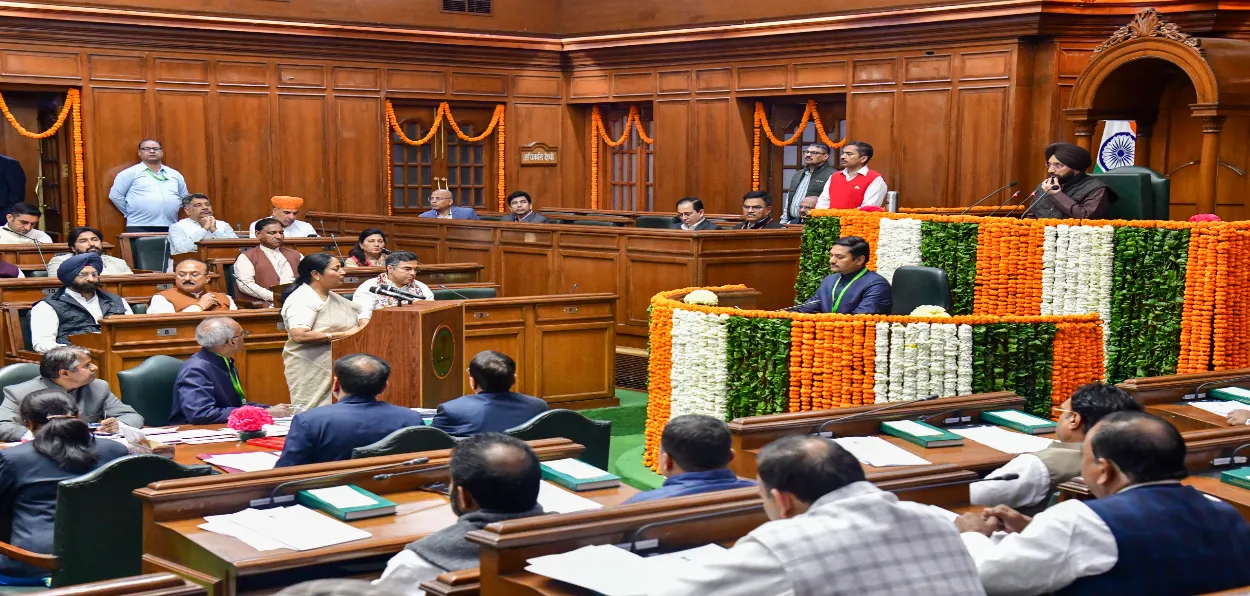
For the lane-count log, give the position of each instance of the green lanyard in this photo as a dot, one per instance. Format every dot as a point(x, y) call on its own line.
point(837, 298)
point(161, 177)
point(234, 378)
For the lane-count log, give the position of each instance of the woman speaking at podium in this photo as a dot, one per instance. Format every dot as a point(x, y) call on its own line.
point(315, 316)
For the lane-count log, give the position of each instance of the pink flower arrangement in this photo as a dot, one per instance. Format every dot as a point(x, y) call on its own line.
point(249, 419)
point(871, 208)
point(1204, 217)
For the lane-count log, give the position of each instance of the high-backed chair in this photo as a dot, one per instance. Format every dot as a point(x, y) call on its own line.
point(490, 217)
point(96, 534)
point(413, 439)
point(139, 308)
point(1133, 197)
point(18, 373)
point(464, 293)
point(149, 388)
point(594, 435)
point(150, 252)
point(1158, 206)
point(655, 222)
point(917, 286)
point(595, 222)
point(38, 273)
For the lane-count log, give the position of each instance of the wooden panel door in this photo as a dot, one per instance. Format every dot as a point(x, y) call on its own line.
point(445, 161)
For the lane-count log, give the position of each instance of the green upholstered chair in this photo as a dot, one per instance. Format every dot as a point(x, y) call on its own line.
point(1159, 205)
point(595, 222)
point(18, 373)
point(97, 534)
point(594, 435)
point(149, 388)
point(463, 293)
point(490, 217)
point(1133, 196)
point(150, 252)
point(917, 286)
point(38, 273)
point(23, 320)
point(655, 222)
point(139, 308)
point(413, 439)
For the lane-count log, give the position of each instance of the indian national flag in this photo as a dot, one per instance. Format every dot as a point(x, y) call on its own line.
point(1119, 143)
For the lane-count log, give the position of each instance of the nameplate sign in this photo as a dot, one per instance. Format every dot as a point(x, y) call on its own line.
point(167, 332)
point(163, 287)
point(538, 154)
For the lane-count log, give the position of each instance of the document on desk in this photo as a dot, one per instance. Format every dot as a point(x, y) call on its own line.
point(1003, 440)
point(1221, 407)
point(557, 500)
point(878, 452)
point(605, 569)
point(245, 462)
point(295, 527)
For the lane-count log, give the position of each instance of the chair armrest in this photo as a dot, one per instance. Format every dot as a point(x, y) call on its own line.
point(46, 562)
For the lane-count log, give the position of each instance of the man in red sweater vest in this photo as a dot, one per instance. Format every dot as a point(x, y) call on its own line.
point(855, 186)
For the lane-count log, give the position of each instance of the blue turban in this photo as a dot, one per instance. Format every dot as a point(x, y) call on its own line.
point(70, 268)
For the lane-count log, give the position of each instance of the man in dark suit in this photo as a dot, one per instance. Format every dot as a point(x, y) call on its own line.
point(12, 183)
point(690, 214)
point(207, 387)
point(493, 407)
point(441, 207)
point(757, 212)
point(522, 207)
point(329, 433)
point(852, 289)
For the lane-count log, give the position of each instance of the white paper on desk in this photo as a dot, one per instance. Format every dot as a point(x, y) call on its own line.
point(342, 497)
point(245, 462)
point(880, 453)
point(575, 468)
point(1003, 440)
point(557, 500)
point(133, 435)
point(606, 569)
point(1220, 408)
point(298, 527)
point(1021, 418)
point(913, 427)
point(222, 524)
point(158, 430)
point(276, 430)
point(198, 433)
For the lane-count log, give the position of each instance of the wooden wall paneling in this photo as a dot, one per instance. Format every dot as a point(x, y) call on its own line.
point(662, 273)
point(559, 346)
point(673, 82)
point(179, 70)
point(927, 69)
point(183, 128)
point(528, 263)
point(711, 155)
point(471, 245)
point(633, 85)
point(350, 78)
point(357, 156)
point(574, 165)
point(1232, 187)
point(537, 123)
point(312, 76)
point(870, 118)
point(115, 120)
point(476, 83)
point(592, 270)
point(403, 80)
point(589, 87)
point(302, 149)
point(109, 67)
point(41, 65)
point(26, 151)
point(712, 80)
point(761, 78)
point(510, 340)
point(923, 156)
point(245, 136)
point(981, 148)
point(673, 168)
point(818, 75)
point(233, 73)
point(541, 86)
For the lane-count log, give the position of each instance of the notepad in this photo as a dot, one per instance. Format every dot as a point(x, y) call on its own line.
point(244, 462)
point(605, 569)
point(880, 453)
point(1020, 421)
point(577, 475)
point(1219, 408)
point(342, 497)
point(1003, 440)
point(295, 527)
point(1238, 394)
point(557, 500)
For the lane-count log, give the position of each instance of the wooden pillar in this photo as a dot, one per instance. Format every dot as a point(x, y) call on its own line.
point(1210, 164)
point(1141, 152)
point(1084, 131)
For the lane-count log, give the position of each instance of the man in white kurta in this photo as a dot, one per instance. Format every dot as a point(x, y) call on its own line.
point(198, 224)
point(286, 211)
point(87, 239)
point(279, 259)
point(401, 272)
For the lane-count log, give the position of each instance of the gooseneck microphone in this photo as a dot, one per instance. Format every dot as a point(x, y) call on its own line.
point(820, 430)
point(407, 472)
point(996, 191)
point(273, 494)
point(1014, 196)
point(332, 238)
point(395, 292)
point(454, 292)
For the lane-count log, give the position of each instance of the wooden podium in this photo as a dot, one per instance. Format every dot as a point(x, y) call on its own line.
point(423, 343)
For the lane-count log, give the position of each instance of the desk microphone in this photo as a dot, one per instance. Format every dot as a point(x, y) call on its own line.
point(791, 308)
point(996, 191)
point(1031, 205)
point(454, 292)
point(1032, 197)
point(1004, 477)
point(1197, 392)
point(332, 239)
point(820, 430)
point(407, 472)
point(1014, 196)
point(273, 494)
point(40, 250)
point(632, 544)
point(395, 292)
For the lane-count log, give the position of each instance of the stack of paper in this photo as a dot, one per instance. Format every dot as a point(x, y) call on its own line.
point(557, 500)
point(1003, 440)
point(295, 527)
point(244, 462)
point(1219, 408)
point(197, 436)
point(612, 571)
point(880, 453)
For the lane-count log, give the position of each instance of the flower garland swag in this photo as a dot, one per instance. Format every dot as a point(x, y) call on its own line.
point(1149, 279)
point(818, 237)
point(72, 107)
point(810, 115)
point(444, 112)
point(599, 131)
point(953, 248)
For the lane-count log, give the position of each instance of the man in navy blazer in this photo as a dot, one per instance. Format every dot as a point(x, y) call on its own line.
point(493, 407)
point(207, 387)
point(441, 207)
point(329, 433)
point(852, 289)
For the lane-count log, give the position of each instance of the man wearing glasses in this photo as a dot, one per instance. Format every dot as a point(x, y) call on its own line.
point(857, 186)
point(441, 207)
point(188, 293)
point(757, 212)
point(808, 181)
point(207, 387)
point(149, 194)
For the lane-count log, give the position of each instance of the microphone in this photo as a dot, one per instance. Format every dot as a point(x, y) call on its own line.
point(332, 239)
point(395, 292)
point(454, 292)
point(1014, 196)
point(996, 191)
point(820, 430)
point(791, 308)
point(1231, 380)
point(1032, 197)
point(407, 472)
point(633, 544)
point(574, 290)
point(165, 256)
point(273, 494)
point(40, 250)
point(1003, 477)
point(1031, 205)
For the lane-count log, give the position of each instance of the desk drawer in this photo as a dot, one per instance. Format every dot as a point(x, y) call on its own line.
point(585, 310)
point(492, 315)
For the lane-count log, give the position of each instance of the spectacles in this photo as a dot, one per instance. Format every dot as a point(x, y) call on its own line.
point(814, 153)
point(149, 148)
point(244, 335)
point(1056, 411)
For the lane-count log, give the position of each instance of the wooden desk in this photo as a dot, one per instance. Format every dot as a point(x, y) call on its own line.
point(1185, 417)
point(632, 263)
point(751, 434)
point(152, 584)
point(1173, 388)
point(431, 274)
point(29, 257)
point(229, 248)
point(173, 510)
point(1236, 496)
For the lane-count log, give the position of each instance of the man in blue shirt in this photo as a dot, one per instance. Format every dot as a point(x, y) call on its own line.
point(695, 451)
point(207, 387)
point(852, 289)
point(149, 193)
point(441, 207)
point(493, 406)
point(329, 433)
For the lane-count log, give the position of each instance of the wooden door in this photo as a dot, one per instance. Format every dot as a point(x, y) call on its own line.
point(447, 162)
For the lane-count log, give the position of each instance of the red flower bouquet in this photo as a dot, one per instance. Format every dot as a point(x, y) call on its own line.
point(249, 421)
point(1205, 217)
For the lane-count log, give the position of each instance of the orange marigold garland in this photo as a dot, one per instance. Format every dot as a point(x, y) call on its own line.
point(1197, 318)
point(599, 132)
point(659, 384)
point(444, 113)
point(866, 226)
point(1009, 267)
point(810, 114)
point(1077, 358)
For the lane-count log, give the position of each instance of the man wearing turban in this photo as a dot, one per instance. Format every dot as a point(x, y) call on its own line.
point(285, 210)
point(1070, 193)
point(75, 308)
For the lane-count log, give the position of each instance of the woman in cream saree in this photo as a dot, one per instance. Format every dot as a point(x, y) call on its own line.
point(314, 317)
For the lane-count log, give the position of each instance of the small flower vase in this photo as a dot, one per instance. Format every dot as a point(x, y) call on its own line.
point(246, 435)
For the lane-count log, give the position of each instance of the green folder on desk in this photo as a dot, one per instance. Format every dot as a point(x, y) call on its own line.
point(348, 502)
point(921, 433)
point(1239, 477)
point(1016, 420)
point(1232, 394)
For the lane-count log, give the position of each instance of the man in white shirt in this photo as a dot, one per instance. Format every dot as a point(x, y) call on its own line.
point(834, 533)
point(1144, 533)
point(84, 239)
point(266, 266)
point(401, 272)
point(75, 308)
point(286, 210)
point(198, 224)
point(188, 293)
point(20, 227)
point(855, 186)
point(149, 193)
point(690, 212)
point(1039, 474)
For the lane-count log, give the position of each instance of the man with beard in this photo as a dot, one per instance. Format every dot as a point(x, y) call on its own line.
point(188, 295)
point(75, 308)
point(851, 289)
point(198, 224)
point(83, 240)
point(265, 266)
point(808, 181)
point(1069, 193)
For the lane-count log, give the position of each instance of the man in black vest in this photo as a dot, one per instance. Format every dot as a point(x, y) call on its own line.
point(1070, 193)
point(75, 308)
point(808, 181)
point(494, 477)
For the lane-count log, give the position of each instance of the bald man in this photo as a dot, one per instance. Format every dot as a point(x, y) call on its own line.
point(286, 211)
point(442, 208)
point(188, 293)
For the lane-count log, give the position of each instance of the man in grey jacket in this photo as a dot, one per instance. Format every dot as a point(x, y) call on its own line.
point(70, 369)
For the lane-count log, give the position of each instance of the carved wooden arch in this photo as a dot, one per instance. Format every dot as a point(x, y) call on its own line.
point(1101, 66)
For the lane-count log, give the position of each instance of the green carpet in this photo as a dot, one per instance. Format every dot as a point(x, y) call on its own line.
point(625, 453)
point(630, 418)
